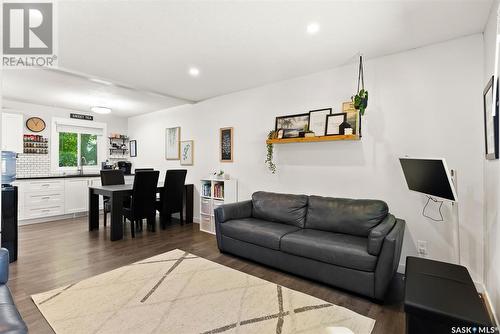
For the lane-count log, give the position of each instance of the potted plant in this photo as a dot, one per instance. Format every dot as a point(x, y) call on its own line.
point(306, 132)
point(361, 98)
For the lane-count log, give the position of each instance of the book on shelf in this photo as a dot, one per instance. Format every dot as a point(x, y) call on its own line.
point(205, 190)
point(219, 190)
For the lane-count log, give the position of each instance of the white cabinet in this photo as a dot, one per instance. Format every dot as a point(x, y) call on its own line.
point(76, 195)
point(214, 193)
point(12, 132)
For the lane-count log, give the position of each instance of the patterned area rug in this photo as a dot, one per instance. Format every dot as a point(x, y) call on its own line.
point(177, 292)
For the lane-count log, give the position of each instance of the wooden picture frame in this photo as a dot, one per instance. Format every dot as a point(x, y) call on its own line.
point(226, 144)
point(172, 143)
point(490, 121)
point(317, 121)
point(187, 152)
point(133, 148)
point(330, 131)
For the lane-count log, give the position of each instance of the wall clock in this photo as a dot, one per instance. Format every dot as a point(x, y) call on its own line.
point(35, 124)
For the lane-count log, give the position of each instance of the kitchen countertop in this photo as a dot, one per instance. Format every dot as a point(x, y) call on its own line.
point(57, 176)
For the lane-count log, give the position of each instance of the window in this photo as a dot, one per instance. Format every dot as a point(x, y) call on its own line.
point(77, 149)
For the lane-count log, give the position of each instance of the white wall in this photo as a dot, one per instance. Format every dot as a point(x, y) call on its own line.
point(492, 181)
point(425, 102)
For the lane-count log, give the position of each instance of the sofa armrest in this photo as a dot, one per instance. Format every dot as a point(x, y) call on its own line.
point(4, 265)
point(233, 211)
point(388, 260)
point(378, 234)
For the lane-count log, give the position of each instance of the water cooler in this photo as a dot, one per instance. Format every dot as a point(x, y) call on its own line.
point(9, 205)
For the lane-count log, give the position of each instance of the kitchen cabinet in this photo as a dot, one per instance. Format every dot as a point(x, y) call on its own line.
point(12, 132)
point(76, 195)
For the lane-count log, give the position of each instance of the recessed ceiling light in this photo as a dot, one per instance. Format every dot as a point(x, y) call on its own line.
point(100, 110)
point(194, 72)
point(100, 81)
point(312, 28)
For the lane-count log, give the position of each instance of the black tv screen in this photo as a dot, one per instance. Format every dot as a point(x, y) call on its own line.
point(428, 176)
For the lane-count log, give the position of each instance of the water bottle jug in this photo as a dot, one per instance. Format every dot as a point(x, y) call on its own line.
point(8, 167)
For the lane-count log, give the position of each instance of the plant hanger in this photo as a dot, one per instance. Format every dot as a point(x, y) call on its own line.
point(361, 98)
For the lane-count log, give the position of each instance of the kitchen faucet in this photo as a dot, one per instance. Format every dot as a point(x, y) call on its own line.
point(80, 168)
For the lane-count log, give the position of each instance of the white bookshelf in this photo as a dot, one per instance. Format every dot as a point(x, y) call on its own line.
point(215, 192)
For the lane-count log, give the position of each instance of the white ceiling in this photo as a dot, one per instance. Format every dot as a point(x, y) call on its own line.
point(77, 92)
point(235, 44)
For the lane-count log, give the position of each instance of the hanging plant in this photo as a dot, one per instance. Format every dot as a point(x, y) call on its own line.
point(361, 98)
point(270, 150)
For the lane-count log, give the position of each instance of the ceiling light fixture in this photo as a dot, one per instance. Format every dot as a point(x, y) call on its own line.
point(194, 72)
point(100, 110)
point(313, 28)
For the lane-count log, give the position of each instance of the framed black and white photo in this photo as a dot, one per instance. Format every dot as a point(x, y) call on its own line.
point(292, 122)
point(226, 144)
point(187, 149)
point(133, 148)
point(291, 133)
point(333, 122)
point(317, 121)
point(172, 143)
point(490, 122)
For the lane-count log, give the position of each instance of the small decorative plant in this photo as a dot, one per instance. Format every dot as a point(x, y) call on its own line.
point(270, 151)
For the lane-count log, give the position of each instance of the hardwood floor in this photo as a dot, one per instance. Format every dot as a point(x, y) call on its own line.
point(64, 252)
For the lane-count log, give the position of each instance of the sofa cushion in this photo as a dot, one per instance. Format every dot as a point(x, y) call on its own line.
point(334, 248)
point(343, 215)
point(5, 296)
point(258, 232)
point(280, 208)
point(11, 321)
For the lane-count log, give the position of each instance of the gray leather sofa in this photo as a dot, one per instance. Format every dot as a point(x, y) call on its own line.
point(10, 319)
point(347, 243)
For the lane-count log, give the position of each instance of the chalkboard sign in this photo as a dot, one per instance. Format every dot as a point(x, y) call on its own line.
point(226, 144)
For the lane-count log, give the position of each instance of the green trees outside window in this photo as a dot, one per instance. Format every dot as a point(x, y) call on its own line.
point(74, 147)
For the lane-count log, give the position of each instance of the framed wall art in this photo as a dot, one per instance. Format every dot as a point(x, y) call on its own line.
point(490, 121)
point(292, 122)
point(226, 145)
point(172, 143)
point(133, 148)
point(317, 121)
point(333, 123)
point(187, 149)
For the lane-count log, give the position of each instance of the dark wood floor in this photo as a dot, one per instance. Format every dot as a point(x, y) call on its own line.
point(64, 252)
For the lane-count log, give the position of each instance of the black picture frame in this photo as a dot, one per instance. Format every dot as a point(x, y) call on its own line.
point(291, 119)
point(335, 115)
point(133, 148)
point(290, 133)
point(321, 133)
point(490, 122)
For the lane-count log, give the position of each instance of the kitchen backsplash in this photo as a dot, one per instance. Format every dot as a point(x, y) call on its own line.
point(30, 165)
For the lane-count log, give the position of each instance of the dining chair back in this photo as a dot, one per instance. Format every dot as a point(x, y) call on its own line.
point(144, 194)
point(111, 177)
point(171, 199)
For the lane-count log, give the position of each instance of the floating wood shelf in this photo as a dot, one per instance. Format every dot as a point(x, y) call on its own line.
point(312, 139)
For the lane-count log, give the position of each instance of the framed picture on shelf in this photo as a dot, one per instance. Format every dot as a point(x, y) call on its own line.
point(187, 149)
point(133, 148)
point(226, 145)
point(333, 122)
point(352, 116)
point(292, 122)
point(317, 121)
point(172, 143)
point(490, 121)
point(291, 133)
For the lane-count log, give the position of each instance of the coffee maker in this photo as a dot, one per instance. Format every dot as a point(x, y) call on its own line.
point(125, 166)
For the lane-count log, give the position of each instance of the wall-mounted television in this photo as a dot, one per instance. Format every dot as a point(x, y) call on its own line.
point(430, 177)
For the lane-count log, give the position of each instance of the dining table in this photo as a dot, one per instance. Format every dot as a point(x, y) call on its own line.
point(116, 195)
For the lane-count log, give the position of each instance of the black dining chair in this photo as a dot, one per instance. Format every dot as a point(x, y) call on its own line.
point(171, 198)
point(110, 177)
point(142, 169)
point(142, 204)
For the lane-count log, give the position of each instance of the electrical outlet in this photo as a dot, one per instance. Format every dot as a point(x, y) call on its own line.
point(422, 248)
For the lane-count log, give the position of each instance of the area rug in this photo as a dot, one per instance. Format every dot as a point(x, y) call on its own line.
point(177, 292)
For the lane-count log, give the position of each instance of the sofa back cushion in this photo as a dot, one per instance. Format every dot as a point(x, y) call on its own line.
point(280, 208)
point(343, 215)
